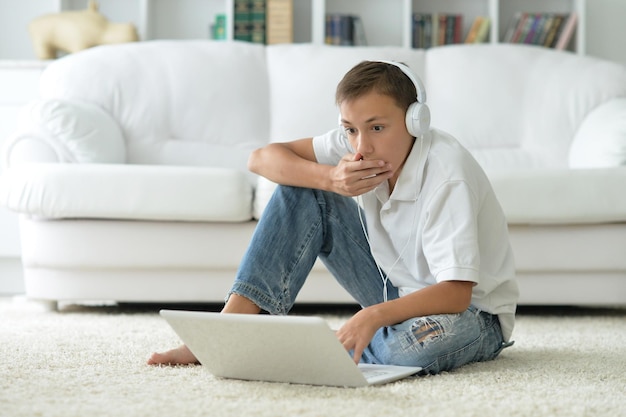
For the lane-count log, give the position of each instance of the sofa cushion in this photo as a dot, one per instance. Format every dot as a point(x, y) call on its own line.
point(141, 192)
point(192, 102)
point(65, 131)
point(562, 196)
point(601, 139)
point(517, 107)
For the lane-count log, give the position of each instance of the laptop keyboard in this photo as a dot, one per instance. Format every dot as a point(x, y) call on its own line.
point(371, 373)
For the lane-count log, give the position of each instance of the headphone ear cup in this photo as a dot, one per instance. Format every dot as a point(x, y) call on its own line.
point(417, 119)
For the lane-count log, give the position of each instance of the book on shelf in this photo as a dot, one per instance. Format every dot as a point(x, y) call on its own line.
point(531, 28)
point(242, 30)
point(567, 33)
point(262, 21)
point(545, 30)
point(552, 30)
point(473, 31)
point(279, 21)
point(344, 29)
point(257, 21)
point(483, 31)
point(510, 31)
point(435, 29)
point(479, 31)
point(441, 32)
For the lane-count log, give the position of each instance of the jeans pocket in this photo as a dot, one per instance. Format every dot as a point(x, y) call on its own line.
point(493, 342)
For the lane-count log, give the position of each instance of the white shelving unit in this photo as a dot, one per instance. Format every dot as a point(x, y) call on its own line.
point(389, 23)
point(386, 22)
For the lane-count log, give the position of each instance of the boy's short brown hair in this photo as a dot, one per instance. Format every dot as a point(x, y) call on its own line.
point(380, 77)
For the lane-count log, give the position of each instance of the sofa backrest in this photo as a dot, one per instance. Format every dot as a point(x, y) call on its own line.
point(303, 79)
point(513, 106)
point(210, 103)
point(177, 102)
point(517, 106)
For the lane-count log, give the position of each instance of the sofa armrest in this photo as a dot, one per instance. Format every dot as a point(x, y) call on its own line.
point(64, 131)
point(600, 141)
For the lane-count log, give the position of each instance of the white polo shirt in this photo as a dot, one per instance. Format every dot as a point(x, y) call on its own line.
point(442, 222)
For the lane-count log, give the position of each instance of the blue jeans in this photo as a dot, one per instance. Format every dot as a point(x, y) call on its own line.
point(298, 226)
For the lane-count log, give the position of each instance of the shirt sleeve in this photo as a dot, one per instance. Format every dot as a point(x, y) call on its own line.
point(330, 147)
point(450, 235)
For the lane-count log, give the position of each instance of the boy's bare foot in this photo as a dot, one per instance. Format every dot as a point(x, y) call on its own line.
point(179, 356)
point(182, 355)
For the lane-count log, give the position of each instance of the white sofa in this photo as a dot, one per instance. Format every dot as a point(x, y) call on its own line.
point(129, 172)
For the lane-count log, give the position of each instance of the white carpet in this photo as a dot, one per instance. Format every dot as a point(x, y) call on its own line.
point(89, 361)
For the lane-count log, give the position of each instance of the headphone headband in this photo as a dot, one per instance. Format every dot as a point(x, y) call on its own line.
point(419, 87)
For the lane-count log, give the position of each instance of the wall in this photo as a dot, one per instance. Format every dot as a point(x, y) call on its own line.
point(606, 30)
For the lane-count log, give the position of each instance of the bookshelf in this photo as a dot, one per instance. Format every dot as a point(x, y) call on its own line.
point(499, 12)
point(386, 22)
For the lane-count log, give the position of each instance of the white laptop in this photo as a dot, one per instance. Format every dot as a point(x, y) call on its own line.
point(294, 349)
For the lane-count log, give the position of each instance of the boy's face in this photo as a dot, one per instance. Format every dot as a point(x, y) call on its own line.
point(376, 129)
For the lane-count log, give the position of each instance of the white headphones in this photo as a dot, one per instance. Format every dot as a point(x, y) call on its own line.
point(418, 114)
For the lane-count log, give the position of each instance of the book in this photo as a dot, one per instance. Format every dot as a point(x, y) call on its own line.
point(521, 24)
point(473, 31)
point(450, 29)
point(430, 30)
point(242, 23)
point(422, 30)
point(551, 38)
point(533, 27)
point(417, 29)
point(538, 29)
point(441, 35)
point(434, 32)
point(483, 31)
point(359, 31)
point(279, 21)
point(510, 31)
point(479, 31)
point(525, 29)
point(344, 29)
point(257, 21)
point(333, 29)
point(549, 21)
point(457, 31)
point(568, 31)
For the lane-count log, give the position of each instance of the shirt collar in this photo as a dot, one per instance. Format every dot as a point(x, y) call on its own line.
point(409, 182)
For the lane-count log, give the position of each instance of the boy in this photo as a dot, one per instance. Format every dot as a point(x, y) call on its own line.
point(432, 268)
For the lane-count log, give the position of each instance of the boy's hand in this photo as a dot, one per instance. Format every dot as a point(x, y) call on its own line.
point(358, 332)
point(355, 176)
